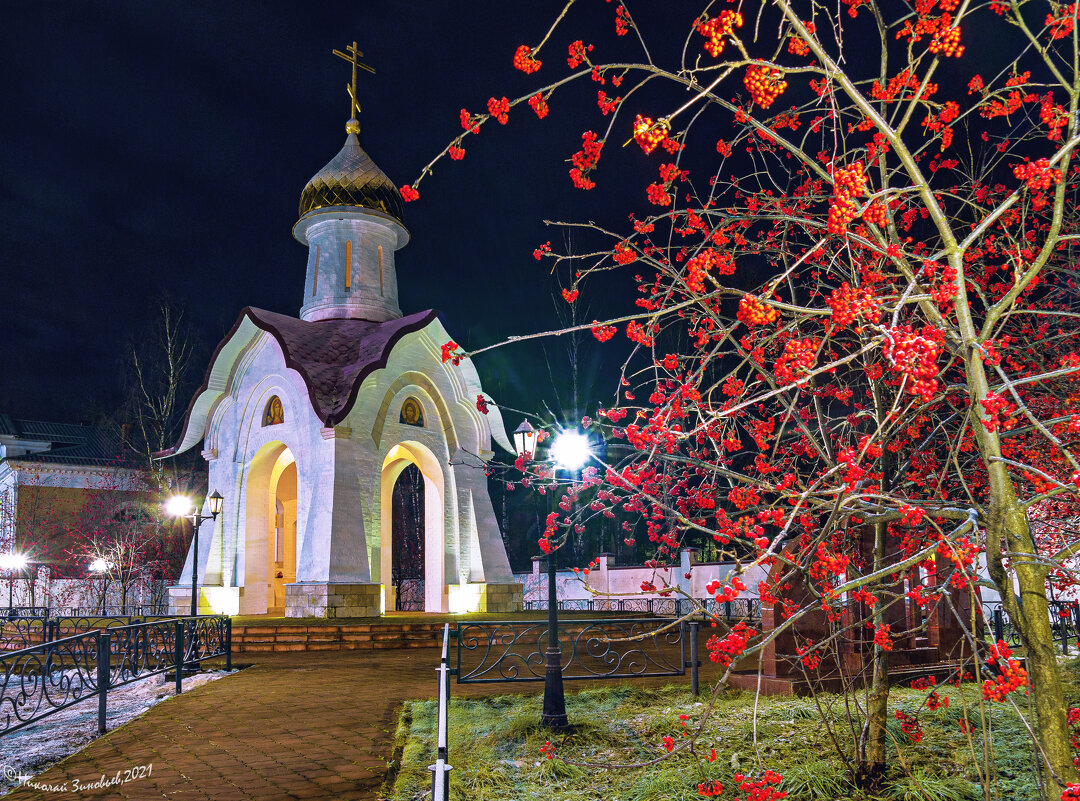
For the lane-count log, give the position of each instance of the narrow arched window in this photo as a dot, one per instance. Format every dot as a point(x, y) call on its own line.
point(274, 413)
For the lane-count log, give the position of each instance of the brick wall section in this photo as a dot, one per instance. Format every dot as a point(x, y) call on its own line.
point(358, 637)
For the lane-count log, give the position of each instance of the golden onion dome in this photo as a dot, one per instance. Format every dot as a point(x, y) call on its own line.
point(352, 179)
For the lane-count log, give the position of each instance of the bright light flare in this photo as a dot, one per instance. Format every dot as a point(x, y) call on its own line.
point(99, 565)
point(12, 561)
point(178, 506)
point(571, 450)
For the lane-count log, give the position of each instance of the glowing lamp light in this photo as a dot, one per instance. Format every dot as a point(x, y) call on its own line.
point(178, 506)
point(12, 561)
point(571, 450)
point(525, 440)
point(99, 565)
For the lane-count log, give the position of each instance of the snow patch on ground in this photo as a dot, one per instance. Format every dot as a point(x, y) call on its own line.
point(30, 751)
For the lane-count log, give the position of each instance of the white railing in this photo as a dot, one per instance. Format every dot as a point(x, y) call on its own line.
point(440, 771)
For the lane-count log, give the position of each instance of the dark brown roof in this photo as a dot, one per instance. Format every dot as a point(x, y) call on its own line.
point(352, 179)
point(332, 356)
point(335, 356)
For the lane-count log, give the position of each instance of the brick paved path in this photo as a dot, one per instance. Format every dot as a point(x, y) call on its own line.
point(292, 726)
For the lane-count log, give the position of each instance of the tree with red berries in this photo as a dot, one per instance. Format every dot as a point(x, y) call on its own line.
point(856, 315)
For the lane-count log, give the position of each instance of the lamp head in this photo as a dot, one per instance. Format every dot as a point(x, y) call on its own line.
point(98, 565)
point(215, 500)
point(525, 440)
point(178, 506)
point(571, 450)
point(13, 561)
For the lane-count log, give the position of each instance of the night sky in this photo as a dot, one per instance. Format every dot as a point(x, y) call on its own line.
point(149, 150)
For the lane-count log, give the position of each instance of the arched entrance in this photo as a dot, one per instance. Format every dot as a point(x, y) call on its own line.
point(270, 538)
point(431, 507)
point(407, 538)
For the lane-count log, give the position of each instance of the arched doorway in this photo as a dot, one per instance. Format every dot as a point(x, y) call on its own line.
point(270, 536)
point(428, 476)
point(407, 540)
point(281, 553)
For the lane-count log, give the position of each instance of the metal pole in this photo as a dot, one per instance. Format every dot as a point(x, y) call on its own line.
point(102, 677)
point(195, 564)
point(694, 663)
point(228, 643)
point(999, 625)
point(554, 714)
point(178, 640)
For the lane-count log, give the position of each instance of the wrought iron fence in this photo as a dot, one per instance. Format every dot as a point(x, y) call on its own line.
point(1064, 622)
point(491, 651)
point(739, 609)
point(20, 612)
point(129, 610)
point(37, 681)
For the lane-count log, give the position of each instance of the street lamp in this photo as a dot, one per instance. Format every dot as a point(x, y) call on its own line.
point(570, 451)
point(101, 566)
point(180, 506)
point(12, 562)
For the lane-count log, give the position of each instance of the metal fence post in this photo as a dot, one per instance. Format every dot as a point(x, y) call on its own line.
point(694, 663)
point(440, 781)
point(103, 651)
point(178, 628)
point(999, 625)
point(228, 643)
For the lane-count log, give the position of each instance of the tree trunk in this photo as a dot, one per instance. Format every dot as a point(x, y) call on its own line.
point(873, 767)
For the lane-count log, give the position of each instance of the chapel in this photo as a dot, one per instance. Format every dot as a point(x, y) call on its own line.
point(308, 423)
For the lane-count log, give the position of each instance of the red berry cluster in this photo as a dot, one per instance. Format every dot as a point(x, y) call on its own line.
point(623, 253)
point(994, 406)
point(915, 356)
point(947, 40)
point(753, 312)
point(499, 109)
point(606, 104)
point(717, 29)
point(524, 60)
point(649, 133)
point(875, 214)
point(457, 153)
point(547, 749)
point(810, 660)
point(910, 726)
point(765, 84)
point(603, 332)
point(622, 21)
point(657, 195)
point(714, 787)
point(764, 789)
point(550, 528)
point(848, 304)
point(797, 359)
point(1012, 677)
point(882, 637)
point(540, 251)
point(409, 193)
point(570, 295)
point(585, 160)
point(848, 184)
point(450, 354)
point(577, 52)
point(723, 650)
point(467, 122)
point(1038, 175)
point(539, 105)
point(481, 404)
point(1071, 793)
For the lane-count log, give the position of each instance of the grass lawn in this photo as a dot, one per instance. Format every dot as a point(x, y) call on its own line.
point(495, 747)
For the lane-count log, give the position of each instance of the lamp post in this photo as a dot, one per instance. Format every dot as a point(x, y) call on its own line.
point(12, 562)
point(101, 566)
point(570, 450)
point(181, 506)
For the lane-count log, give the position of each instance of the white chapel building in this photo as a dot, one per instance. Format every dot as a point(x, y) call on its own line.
point(307, 422)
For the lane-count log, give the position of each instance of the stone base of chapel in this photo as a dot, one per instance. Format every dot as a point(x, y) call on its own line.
point(501, 598)
point(330, 600)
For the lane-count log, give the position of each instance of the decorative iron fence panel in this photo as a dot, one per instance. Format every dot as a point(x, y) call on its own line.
point(37, 681)
point(1064, 622)
point(490, 651)
point(739, 609)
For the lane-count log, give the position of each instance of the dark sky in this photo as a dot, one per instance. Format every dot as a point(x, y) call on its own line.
point(149, 148)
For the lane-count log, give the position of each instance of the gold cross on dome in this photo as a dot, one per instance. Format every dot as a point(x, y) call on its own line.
point(353, 56)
